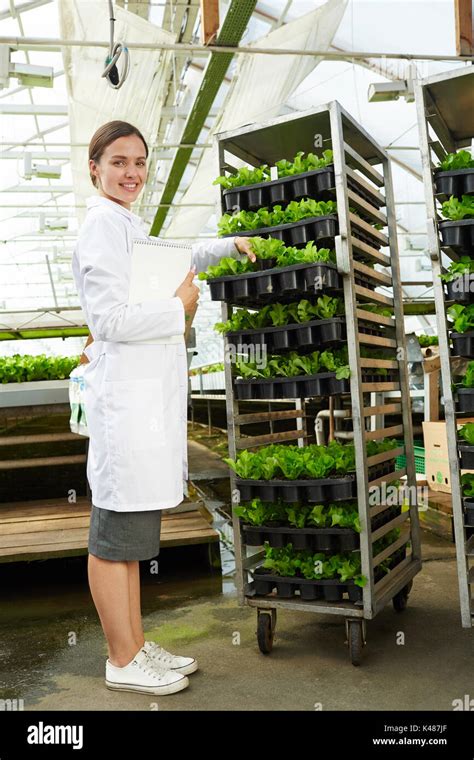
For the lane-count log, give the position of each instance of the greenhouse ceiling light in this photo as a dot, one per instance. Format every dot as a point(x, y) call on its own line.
point(380, 92)
point(383, 91)
point(45, 171)
point(27, 74)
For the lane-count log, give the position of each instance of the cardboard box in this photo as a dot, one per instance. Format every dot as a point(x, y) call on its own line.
point(435, 438)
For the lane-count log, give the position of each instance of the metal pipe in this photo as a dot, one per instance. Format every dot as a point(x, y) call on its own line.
point(323, 414)
point(54, 45)
point(155, 147)
point(32, 109)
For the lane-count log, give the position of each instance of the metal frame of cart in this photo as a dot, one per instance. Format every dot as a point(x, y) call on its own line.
point(445, 109)
point(355, 155)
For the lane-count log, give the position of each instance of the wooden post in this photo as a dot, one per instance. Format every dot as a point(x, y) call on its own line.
point(209, 21)
point(464, 31)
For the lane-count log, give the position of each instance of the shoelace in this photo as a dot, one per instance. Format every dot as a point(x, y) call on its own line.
point(162, 655)
point(149, 667)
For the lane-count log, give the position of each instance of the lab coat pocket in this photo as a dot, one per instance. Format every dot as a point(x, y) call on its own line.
point(134, 417)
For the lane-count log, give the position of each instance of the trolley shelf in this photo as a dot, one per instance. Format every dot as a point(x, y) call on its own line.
point(362, 184)
point(445, 112)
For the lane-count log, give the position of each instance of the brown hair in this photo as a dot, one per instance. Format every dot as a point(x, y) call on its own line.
point(105, 135)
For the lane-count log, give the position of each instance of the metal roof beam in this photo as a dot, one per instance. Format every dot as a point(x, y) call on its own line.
point(52, 44)
point(22, 8)
point(38, 133)
point(33, 109)
point(37, 154)
point(140, 8)
point(38, 189)
point(231, 32)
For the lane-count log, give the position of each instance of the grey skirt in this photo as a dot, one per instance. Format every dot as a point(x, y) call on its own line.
point(124, 536)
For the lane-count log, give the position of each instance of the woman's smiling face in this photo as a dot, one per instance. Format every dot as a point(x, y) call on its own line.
point(121, 170)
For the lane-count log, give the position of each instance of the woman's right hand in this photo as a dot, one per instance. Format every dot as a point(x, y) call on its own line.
point(189, 293)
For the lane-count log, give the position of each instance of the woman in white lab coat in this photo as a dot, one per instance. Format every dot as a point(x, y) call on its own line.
point(136, 406)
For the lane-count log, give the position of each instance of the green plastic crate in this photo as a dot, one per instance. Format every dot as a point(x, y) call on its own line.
point(419, 452)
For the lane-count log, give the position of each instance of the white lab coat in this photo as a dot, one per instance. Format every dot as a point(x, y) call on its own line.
point(135, 393)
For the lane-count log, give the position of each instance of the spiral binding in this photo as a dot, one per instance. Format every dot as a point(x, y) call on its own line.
point(162, 242)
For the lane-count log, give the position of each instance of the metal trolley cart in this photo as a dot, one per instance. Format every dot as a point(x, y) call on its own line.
point(445, 107)
point(359, 181)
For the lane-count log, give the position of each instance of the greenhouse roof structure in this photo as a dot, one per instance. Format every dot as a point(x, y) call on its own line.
point(181, 92)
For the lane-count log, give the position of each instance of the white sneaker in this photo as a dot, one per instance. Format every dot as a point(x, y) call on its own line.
point(143, 676)
point(168, 661)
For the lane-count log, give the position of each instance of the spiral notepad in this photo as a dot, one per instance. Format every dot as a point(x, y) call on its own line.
point(158, 268)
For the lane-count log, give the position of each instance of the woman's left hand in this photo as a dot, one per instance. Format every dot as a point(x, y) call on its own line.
point(243, 246)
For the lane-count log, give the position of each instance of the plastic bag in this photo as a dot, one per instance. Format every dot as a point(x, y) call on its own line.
point(77, 420)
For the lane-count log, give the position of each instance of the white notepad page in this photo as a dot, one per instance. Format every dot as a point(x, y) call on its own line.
point(158, 268)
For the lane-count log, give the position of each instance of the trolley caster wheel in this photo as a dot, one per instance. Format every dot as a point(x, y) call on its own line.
point(266, 622)
point(400, 600)
point(355, 630)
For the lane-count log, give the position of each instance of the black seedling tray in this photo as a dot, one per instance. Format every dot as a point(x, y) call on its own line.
point(316, 333)
point(463, 344)
point(396, 558)
point(329, 590)
point(332, 540)
point(311, 590)
point(279, 284)
point(384, 468)
point(468, 505)
point(322, 229)
point(466, 455)
point(300, 386)
point(317, 184)
point(315, 228)
point(364, 281)
point(373, 200)
point(292, 491)
point(307, 490)
point(457, 182)
point(370, 328)
point(465, 399)
point(382, 518)
point(458, 235)
point(461, 289)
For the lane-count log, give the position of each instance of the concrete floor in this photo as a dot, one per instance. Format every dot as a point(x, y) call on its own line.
point(52, 651)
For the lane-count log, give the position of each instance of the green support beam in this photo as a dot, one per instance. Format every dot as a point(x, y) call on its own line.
point(52, 332)
point(231, 32)
point(418, 308)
